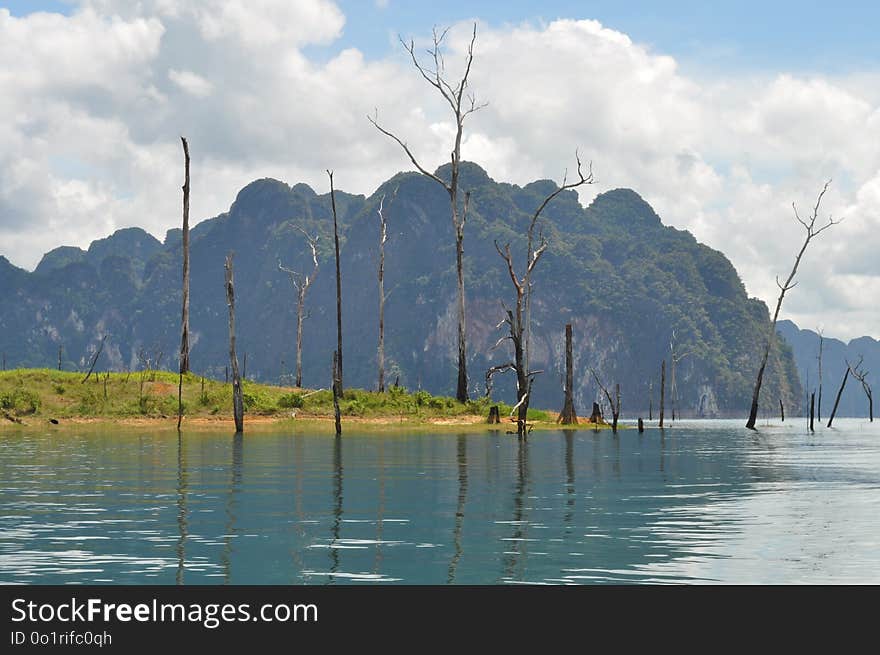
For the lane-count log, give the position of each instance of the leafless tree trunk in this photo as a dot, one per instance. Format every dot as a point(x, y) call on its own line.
point(184, 318)
point(94, 359)
point(819, 406)
point(782, 410)
point(335, 386)
point(338, 288)
point(237, 401)
point(383, 238)
point(862, 376)
point(812, 409)
point(662, 389)
point(839, 394)
point(568, 415)
point(812, 231)
point(674, 359)
point(301, 284)
point(59, 357)
point(651, 400)
point(462, 105)
point(614, 403)
point(515, 319)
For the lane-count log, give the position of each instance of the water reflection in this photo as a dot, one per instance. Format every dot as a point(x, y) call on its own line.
point(235, 478)
point(461, 458)
point(513, 559)
point(569, 480)
point(700, 501)
point(337, 507)
point(181, 509)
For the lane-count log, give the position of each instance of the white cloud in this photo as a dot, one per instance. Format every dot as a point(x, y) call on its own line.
point(193, 84)
point(91, 113)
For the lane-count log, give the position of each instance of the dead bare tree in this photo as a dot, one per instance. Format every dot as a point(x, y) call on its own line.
point(383, 239)
point(95, 358)
point(568, 415)
point(812, 231)
point(301, 284)
point(338, 287)
point(515, 320)
point(184, 319)
point(839, 394)
point(861, 375)
point(821, 341)
point(674, 359)
point(335, 385)
point(462, 106)
point(613, 403)
point(662, 390)
point(237, 401)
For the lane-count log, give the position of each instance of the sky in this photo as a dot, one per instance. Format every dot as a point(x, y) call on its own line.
point(721, 115)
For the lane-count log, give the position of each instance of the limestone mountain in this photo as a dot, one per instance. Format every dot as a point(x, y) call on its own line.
point(623, 279)
point(835, 354)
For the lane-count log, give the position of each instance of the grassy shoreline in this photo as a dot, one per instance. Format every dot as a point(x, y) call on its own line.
point(45, 397)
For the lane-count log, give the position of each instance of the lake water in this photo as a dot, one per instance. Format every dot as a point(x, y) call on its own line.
point(704, 501)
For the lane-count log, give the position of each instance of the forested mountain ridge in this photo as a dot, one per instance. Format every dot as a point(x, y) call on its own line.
point(623, 279)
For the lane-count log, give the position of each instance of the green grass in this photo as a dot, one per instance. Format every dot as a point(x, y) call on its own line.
point(47, 393)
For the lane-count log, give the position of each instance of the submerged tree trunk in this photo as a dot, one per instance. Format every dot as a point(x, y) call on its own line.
point(596, 414)
point(383, 238)
point(522, 285)
point(237, 401)
point(614, 403)
point(335, 385)
point(812, 231)
point(568, 415)
point(862, 376)
point(812, 409)
point(462, 105)
point(301, 284)
point(662, 390)
point(338, 289)
point(819, 406)
point(839, 394)
point(184, 319)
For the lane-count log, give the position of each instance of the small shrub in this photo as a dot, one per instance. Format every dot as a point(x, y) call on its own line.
point(291, 401)
point(59, 389)
point(353, 408)
point(20, 402)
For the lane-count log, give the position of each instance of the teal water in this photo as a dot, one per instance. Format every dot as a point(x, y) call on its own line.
point(704, 501)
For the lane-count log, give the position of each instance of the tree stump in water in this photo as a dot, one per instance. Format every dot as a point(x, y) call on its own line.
point(568, 415)
point(494, 414)
point(596, 416)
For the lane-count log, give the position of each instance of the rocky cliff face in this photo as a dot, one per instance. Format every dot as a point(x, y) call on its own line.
point(835, 354)
point(622, 279)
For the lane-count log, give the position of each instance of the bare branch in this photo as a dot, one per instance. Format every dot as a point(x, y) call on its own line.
point(408, 152)
point(507, 257)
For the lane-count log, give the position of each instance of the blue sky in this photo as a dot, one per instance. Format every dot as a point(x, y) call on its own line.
point(788, 35)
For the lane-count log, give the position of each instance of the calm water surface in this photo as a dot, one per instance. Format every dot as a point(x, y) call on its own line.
point(704, 501)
